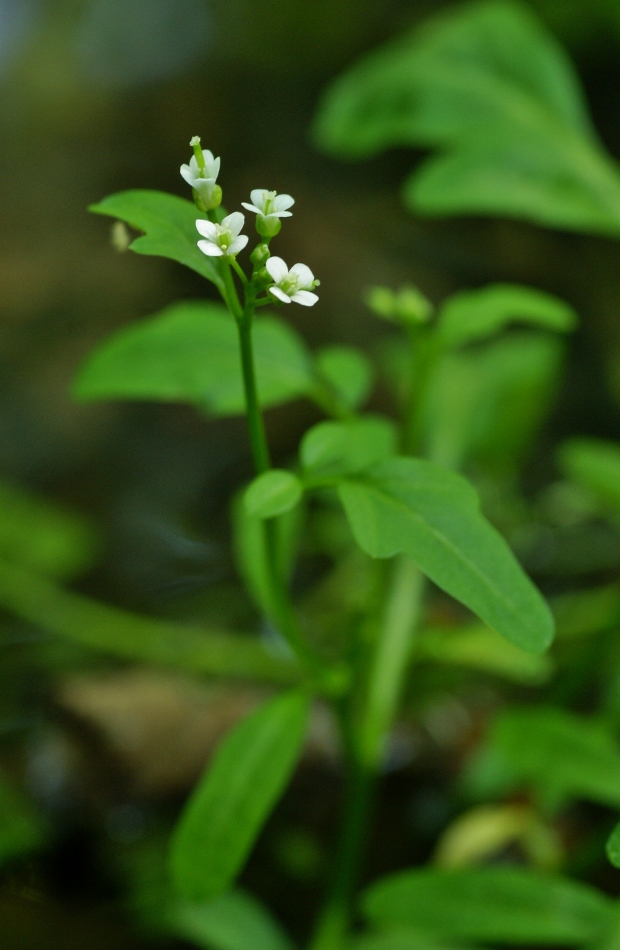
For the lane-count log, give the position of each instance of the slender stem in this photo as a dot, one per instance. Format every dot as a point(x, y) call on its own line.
point(424, 353)
point(239, 271)
point(258, 437)
point(388, 664)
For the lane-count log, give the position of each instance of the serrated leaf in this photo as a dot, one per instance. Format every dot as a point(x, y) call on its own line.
point(249, 771)
point(613, 847)
point(476, 314)
point(190, 353)
point(505, 905)
point(415, 507)
point(169, 225)
point(341, 448)
point(594, 464)
point(233, 921)
point(272, 493)
point(489, 87)
point(348, 371)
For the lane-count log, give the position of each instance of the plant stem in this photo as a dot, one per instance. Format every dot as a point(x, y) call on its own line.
point(386, 673)
point(258, 438)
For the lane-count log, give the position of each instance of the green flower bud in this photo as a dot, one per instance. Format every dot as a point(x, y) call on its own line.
point(260, 254)
point(407, 306)
point(268, 226)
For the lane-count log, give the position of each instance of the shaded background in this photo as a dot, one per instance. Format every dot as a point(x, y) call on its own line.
point(103, 95)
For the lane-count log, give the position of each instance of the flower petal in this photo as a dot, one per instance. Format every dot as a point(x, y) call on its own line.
point(193, 164)
point(276, 268)
point(234, 222)
point(303, 274)
point(187, 174)
point(210, 249)
point(207, 228)
point(249, 207)
point(280, 214)
point(237, 245)
point(258, 196)
point(283, 202)
point(280, 294)
point(305, 298)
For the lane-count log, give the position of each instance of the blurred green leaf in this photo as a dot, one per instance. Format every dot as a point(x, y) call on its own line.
point(613, 847)
point(340, 448)
point(22, 829)
point(272, 493)
point(42, 536)
point(190, 353)
point(506, 905)
point(489, 87)
point(169, 225)
point(402, 939)
point(233, 921)
point(480, 648)
point(348, 371)
point(594, 465)
point(476, 314)
point(415, 507)
point(225, 813)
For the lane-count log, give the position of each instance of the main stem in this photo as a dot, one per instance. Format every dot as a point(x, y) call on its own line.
point(386, 673)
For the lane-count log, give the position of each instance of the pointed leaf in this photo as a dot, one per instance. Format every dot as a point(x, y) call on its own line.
point(272, 493)
point(414, 507)
point(225, 813)
point(169, 226)
point(340, 448)
point(505, 905)
point(233, 921)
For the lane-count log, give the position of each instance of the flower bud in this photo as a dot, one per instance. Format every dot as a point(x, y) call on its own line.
point(262, 276)
point(268, 227)
point(407, 306)
point(260, 254)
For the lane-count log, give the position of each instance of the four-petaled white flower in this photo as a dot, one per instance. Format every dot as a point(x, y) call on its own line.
point(293, 284)
point(268, 204)
point(202, 179)
point(222, 240)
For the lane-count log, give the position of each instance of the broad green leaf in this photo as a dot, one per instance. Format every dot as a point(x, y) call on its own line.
point(340, 448)
point(190, 353)
point(613, 847)
point(42, 536)
point(562, 755)
point(233, 921)
point(415, 507)
point(479, 648)
point(225, 813)
point(404, 938)
point(594, 465)
point(476, 314)
point(22, 830)
point(169, 226)
point(490, 88)
point(487, 404)
point(272, 493)
point(506, 905)
point(348, 371)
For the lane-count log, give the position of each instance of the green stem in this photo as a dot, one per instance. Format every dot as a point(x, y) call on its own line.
point(387, 668)
point(424, 354)
point(258, 437)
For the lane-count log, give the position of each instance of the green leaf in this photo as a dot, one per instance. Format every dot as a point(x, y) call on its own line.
point(22, 830)
point(415, 507)
point(42, 536)
point(272, 493)
point(562, 755)
point(594, 465)
point(491, 904)
point(233, 921)
point(190, 353)
point(341, 448)
point(613, 847)
point(476, 314)
point(348, 371)
point(490, 89)
point(169, 225)
point(479, 648)
point(402, 939)
point(248, 773)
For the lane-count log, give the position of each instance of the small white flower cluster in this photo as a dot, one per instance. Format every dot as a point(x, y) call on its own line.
point(225, 239)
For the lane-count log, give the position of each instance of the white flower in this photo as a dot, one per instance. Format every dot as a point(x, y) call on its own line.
point(293, 284)
point(268, 204)
point(222, 240)
point(202, 179)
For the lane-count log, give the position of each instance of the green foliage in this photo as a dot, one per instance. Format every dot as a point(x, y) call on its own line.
point(190, 353)
point(415, 507)
point(594, 465)
point(22, 830)
point(479, 648)
point(402, 939)
point(507, 905)
point(488, 87)
point(250, 770)
point(348, 371)
point(341, 448)
point(613, 847)
point(169, 226)
point(232, 921)
point(477, 314)
point(272, 493)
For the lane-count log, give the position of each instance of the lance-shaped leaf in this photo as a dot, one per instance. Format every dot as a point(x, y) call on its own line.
point(190, 353)
point(476, 314)
point(415, 507)
point(232, 921)
point(169, 226)
point(490, 88)
point(248, 773)
point(506, 905)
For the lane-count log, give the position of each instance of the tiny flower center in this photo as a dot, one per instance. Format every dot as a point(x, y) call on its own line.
point(268, 203)
point(289, 284)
